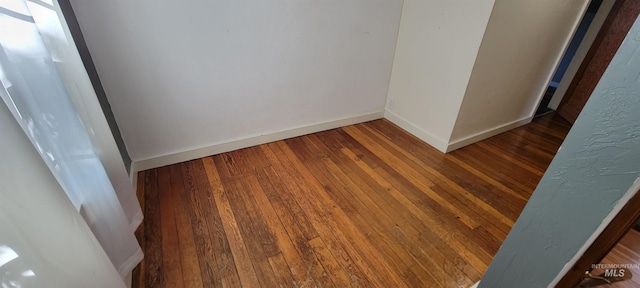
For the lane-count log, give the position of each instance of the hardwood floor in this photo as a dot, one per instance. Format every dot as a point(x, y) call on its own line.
point(366, 205)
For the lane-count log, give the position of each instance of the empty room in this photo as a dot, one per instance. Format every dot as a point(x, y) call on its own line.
point(320, 143)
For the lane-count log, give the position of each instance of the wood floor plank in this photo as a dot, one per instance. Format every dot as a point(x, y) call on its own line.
point(365, 138)
point(366, 205)
point(512, 158)
point(282, 272)
point(233, 162)
point(215, 257)
point(170, 261)
point(221, 249)
point(191, 274)
point(501, 170)
point(302, 261)
point(288, 209)
point(140, 186)
point(377, 205)
point(259, 241)
point(415, 177)
point(496, 206)
point(341, 225)
point(443, 162)
point(347, 258)
point(509, 202)
point(242, 259)
point(338, 276)
point(198, 212)
point(379, 197)
point(154, 270)
point(430, 213)
point(430, 218)
point(299, 270)
point(337, 183)
point(138, 273)
point(454, 203)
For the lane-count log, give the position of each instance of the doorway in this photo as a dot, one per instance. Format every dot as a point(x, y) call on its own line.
point(584, 29)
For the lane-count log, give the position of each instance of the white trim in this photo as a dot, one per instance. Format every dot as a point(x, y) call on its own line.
point(605, 222)
point(487, 133)
point(139, 217)
point(133, 176)
point(475, 285)
point(218, 148)
point(423, 135)
point(581, 52)
point(128, 279)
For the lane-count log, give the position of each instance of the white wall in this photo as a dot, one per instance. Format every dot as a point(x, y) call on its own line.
point(186, 75)
point(436, 49)
point(522, 45)
point(44, 241)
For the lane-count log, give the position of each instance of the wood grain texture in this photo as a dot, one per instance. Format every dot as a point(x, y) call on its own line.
point(367, 205)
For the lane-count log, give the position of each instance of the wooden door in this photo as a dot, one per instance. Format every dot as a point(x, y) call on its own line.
point(614, 29)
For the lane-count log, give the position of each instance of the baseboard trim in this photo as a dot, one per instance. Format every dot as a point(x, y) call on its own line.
point(128, 278)
point(487, 133)
point(475, 285)
point(133, 176)
point(416, 131)
point(218, 148)
point(250, 141)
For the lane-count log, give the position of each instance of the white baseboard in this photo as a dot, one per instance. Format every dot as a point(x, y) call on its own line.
point(475, 285)
point(416, 131)
point(127, 280)
point(457, 144)
point(133, 176)
point(218, 148)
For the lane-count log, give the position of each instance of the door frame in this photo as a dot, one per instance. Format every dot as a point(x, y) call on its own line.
point(614, 30)
point(581, 52)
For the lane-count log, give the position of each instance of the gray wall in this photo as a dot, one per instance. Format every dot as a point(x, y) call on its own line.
point(594, 168)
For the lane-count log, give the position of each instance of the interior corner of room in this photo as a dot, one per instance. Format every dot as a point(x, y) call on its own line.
point(470, 85)
point(175, 82)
